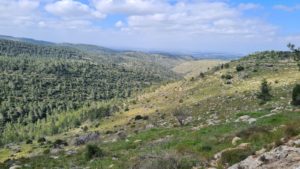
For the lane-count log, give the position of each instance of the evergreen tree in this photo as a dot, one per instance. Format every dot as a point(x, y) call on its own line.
point(264, 93)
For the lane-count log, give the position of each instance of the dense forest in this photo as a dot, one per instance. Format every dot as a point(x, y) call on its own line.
point(38, 81)
point(16, 48)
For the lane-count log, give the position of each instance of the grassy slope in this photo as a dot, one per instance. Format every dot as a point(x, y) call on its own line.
point(204, 99)
point(194, 68)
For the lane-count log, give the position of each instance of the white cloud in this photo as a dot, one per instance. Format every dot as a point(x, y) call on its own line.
point(131, 6)
point(194, 25)
point(201, 18)
point(119, 24)
point(249, 6)
point(70, 9)
point(18, 12)
point(287, 8)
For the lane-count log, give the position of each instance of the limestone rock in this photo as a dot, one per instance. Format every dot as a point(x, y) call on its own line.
point(15, 167)
point(281, 157)
point(86, 138)
point(235, 140)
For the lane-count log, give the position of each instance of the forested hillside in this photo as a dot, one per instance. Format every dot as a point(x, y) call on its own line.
point(17, 48)
point(41, 80)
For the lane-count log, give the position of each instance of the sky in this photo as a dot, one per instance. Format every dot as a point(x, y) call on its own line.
point(230, 26)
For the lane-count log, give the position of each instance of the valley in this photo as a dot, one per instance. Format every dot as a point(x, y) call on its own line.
point(156, 111)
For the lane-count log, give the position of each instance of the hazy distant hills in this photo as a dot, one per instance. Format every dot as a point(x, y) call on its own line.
point(28, 40)
point(95, 49)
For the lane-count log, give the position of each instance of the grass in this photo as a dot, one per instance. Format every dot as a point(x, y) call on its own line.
point(194, 68)
point(203, 143)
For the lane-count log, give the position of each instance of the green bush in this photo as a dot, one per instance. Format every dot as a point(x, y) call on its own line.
point(29, 141)
point(235, 155)
point(46, 151)
point(291, 130)
point(93, 151)
point(202, 75)
point(59, 142)
point(41, 140)
point(265, 89)
point(296, 95)
point(239, 68)
point(226, 65)
point(227, 76)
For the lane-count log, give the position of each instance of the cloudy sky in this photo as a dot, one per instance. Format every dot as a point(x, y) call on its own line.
point(237, 26)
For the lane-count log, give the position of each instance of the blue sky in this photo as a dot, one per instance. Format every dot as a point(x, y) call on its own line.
point(235, 26)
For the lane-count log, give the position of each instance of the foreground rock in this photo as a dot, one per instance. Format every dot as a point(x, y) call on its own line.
point(286, 157)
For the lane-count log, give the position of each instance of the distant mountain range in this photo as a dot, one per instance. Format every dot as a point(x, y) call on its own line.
point(99, 49)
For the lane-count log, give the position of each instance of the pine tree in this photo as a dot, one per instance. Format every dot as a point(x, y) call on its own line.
point(265, 89)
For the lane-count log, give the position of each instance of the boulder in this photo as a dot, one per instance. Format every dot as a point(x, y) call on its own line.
point(281, 157)
point(235, 140)
point(55, 151)
point(71, 152)
point(15, 167)
point(83, 139)
point(188, 120)
point(150, 126)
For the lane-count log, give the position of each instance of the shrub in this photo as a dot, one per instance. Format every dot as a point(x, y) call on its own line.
point(296, 95)
point(240, 68)
point(202, 75)
point(206, 148)
point(227, 76)
point(60, 142)
point(41, 140)
point(138, 117)
point(46, 151)
point(265, 89)
point(85, 128)
point(93, 151)
point(180, 114)
point(252, 132)
point(226, 65)
point(236, 155)
point(291, 130)
point(29, 141)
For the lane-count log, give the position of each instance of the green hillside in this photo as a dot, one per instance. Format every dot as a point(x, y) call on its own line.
point(182, 124)
point(41, 80)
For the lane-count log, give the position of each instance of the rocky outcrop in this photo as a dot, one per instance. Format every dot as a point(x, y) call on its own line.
point(80, 140)
point(285, 156)
point(246, 118)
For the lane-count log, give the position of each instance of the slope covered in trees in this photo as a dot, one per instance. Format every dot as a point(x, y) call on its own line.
point(41, 80)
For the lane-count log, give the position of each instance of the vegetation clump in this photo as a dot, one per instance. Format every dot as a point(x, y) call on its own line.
point(291, 130)
point(180, 114)
point(227, 76)
point(59, 142)
point(41, 140)
point(235, 155)
point(240, 68)
point(93, 151)
point(296, 95)
point(265, 90)
point(296, 53)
